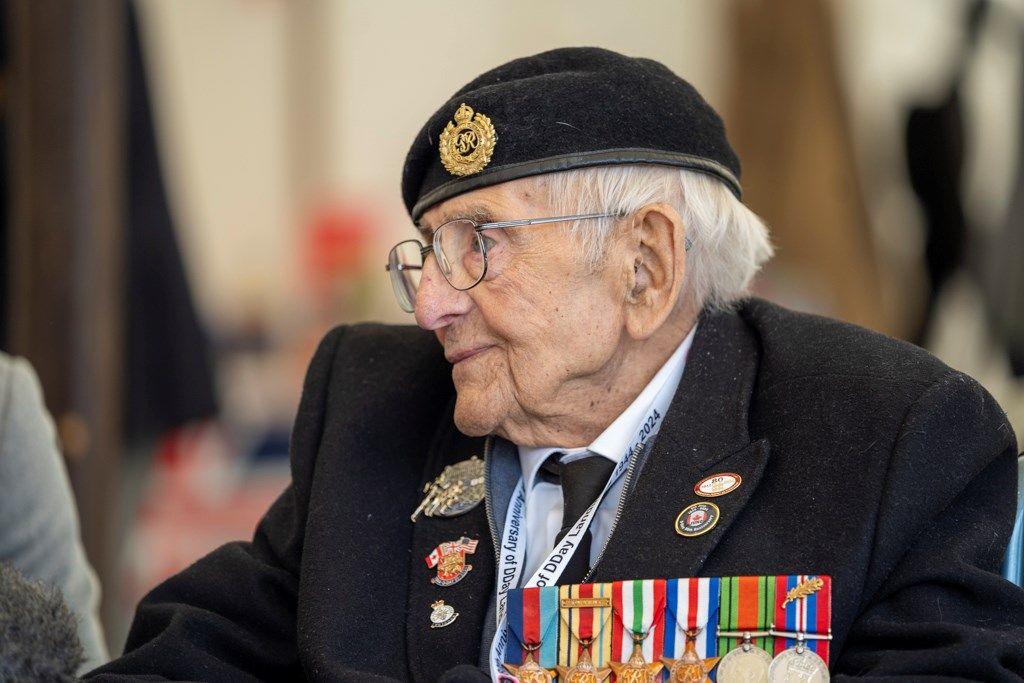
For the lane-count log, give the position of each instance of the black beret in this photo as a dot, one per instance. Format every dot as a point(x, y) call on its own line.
point(563, 109)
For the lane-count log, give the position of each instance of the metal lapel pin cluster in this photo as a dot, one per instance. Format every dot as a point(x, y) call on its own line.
point(701, 517)
point(457, 490)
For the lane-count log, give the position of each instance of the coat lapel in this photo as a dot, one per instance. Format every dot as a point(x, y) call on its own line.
point(705, 432)
point(433, 650)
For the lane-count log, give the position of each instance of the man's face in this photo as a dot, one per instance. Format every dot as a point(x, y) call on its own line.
point(534, 338)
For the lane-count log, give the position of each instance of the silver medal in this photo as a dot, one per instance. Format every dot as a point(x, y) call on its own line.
point(798, 665)
point(744, 664)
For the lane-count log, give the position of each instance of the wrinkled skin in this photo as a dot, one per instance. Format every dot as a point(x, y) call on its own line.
point(559, 349)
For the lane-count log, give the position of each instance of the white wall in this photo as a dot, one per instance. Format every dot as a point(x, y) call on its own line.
point(238, 148)
point(267, 109)
point(217, 80)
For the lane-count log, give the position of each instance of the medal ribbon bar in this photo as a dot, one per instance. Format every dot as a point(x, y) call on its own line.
point(638, 609)
point(804, 605)
point(692, 604)
point(532, 616)
point(747, 605)
point(585, 624)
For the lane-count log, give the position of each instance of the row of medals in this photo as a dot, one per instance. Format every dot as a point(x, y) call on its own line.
point(746, 663)
point(460, 488)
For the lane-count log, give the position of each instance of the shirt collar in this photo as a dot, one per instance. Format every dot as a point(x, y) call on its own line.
point(614, 440)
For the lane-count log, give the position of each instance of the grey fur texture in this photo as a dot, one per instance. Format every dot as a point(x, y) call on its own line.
point(38, 639)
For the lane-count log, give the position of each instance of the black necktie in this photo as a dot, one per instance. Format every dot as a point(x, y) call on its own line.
point(582, 481)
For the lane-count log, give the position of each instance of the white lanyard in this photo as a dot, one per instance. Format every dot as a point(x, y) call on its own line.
point(512, 553)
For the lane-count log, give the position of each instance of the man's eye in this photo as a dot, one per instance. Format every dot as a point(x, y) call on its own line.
point(488, 243)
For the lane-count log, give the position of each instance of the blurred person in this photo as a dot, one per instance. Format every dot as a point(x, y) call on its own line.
point(594, 397)
point(39, 534)
point(38, 639)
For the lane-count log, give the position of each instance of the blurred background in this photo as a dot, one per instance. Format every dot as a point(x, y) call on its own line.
point(196, 190)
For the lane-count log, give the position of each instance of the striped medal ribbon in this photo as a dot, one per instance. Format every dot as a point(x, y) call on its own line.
point(748, 604)
point(691, 605)
point(585, 611)
point(532, 616)
point(803, 604)
point(639, 610)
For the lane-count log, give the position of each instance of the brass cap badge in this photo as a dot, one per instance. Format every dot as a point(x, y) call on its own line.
point(467, 144)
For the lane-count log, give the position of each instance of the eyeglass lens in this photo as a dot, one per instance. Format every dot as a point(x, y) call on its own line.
point(458, 248)
point(460, 255)
point(405, 266)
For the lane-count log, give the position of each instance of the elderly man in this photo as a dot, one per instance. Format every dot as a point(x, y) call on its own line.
point(592, 399)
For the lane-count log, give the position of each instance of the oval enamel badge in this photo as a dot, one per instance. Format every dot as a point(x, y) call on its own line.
point(718, 484)
point(442, 614)
point(697, 519)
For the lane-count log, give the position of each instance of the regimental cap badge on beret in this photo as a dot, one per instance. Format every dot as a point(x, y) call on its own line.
point(466, 144)
point(569, 108)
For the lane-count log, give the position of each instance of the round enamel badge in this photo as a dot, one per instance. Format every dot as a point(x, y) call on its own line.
point(442, 614)
point(718, 484)
point(697, 519)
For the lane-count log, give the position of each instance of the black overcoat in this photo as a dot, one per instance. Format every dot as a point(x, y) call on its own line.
point(862, 457)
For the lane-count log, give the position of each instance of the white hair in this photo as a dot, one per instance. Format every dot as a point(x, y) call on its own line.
point(728, 242)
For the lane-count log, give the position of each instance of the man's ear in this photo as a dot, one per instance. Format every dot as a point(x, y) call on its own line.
point(658, 247)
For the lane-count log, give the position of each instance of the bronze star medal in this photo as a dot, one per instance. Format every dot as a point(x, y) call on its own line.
point(584, 671)
point(690, 668)
point(636, 669)
point(530, 671)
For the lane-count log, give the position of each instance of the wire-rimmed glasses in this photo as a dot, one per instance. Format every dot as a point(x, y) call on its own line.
point(461, 252)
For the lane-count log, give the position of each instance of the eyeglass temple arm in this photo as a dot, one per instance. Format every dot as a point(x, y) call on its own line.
point(541, 221)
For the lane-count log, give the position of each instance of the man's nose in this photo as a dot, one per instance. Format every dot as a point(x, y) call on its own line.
point(437, 302)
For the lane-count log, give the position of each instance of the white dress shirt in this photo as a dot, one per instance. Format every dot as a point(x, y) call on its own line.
point(543, 516)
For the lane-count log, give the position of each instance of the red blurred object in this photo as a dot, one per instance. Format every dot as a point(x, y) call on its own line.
point(201, 494)
point(337, 242)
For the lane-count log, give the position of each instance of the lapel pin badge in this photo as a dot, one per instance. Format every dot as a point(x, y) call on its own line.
point(718, 484)
point(457, 490)
point(442, 615)
point(697, 519)
point(450, 560)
